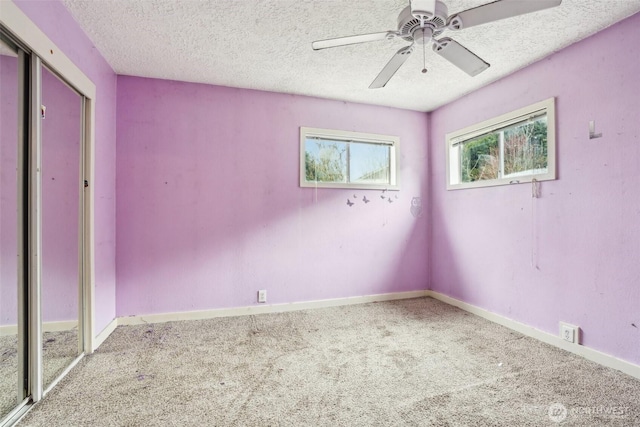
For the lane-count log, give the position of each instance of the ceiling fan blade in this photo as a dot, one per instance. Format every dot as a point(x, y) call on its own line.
point(344, 41)
point(497, 10)
point(392, 66)
point(460, 56)
point(423, 9)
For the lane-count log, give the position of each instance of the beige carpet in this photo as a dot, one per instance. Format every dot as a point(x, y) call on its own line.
point(405, 363)
point(8, 373)
point(59, 349)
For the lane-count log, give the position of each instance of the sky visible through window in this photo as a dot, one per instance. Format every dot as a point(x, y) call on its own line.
point(369, 162)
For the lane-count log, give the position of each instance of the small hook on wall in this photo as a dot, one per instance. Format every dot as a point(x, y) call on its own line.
point(592, 130)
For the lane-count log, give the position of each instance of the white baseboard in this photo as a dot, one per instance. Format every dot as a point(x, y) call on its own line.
point(64, 325)
point(586, 352)
point(262, 309)
point(6, 330)
point(104, 334)
point(222, 312)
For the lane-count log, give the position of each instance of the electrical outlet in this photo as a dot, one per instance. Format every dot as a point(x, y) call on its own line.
point(262, 295)
point(569, 333)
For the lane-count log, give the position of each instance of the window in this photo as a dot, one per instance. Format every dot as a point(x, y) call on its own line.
point(513, 148)
point(340, 159)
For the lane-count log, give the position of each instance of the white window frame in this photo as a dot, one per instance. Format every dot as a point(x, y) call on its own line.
point(455, 141)
point(352, 137)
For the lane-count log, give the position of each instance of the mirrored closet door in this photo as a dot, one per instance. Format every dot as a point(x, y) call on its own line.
point(61, 221)
point(42, 211)
point(12, 336)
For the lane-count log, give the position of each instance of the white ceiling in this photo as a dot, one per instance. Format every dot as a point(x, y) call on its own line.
point(266, 44)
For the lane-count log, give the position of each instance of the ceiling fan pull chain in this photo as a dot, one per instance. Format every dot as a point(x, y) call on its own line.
point(424, 58)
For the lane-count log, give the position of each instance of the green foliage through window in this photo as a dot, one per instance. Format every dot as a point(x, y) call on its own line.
point(346, 162)
point(325, 161)
point(517, 150)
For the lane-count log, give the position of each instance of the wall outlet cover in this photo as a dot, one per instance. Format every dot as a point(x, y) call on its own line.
point(262, 295)
point(570, 333)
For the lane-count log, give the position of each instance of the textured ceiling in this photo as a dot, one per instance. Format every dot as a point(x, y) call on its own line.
point(266, 45)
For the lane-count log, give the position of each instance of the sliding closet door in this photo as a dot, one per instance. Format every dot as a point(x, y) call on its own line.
point(12, 310)
point(61, 224)
point(46, 268)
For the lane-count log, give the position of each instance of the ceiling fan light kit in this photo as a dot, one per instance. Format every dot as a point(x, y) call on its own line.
point(424, 20)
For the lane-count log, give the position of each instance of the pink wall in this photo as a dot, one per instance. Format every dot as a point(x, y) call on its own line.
point(209, 209)
point(584, 231)
point(56, 22)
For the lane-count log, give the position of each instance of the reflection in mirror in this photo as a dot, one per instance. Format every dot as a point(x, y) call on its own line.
point(11, 390)
point(61, 144)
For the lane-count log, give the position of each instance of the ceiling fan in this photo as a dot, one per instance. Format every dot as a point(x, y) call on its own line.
point(424, 20)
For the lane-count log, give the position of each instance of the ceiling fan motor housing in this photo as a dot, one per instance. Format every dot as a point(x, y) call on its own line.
point(408, 24)
point(422, 35)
